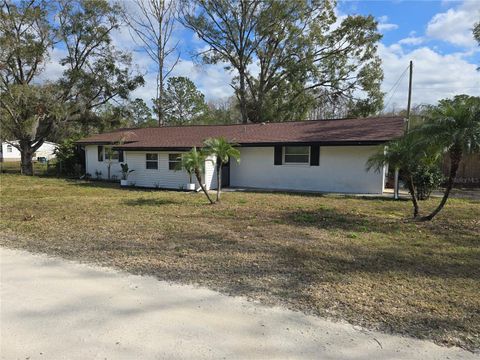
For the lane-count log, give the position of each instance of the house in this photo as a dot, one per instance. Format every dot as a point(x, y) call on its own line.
point(11, 153)
point(322, 155)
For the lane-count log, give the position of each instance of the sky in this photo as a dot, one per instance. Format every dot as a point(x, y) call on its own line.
point(435, 35)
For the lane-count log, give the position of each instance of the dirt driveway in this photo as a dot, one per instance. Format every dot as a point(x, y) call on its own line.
point(57, 309)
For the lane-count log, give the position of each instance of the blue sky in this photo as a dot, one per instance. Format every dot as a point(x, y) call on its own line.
point(410, 17)
point(436, 35)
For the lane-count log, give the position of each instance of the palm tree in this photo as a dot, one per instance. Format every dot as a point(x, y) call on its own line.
point(193, 162)
point(454, 126)
point(223, 151)
point(402, 154)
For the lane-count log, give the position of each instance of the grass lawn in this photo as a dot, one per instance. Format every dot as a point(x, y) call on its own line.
point(357, 259)
point(13, 167)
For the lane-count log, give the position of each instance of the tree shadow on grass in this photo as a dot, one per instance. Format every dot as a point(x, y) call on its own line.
point(331, 219)
point(103, 184)
point(148, 202)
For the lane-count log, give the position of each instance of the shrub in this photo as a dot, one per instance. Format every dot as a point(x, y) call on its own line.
point(68, 158)
point(426, 178)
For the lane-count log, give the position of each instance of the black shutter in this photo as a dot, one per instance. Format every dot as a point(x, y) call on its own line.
point(277, 157)
point(100, 153)
point(120, 155)
point(314, 155)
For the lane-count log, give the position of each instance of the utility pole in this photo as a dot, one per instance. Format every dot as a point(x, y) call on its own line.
point(409, 106)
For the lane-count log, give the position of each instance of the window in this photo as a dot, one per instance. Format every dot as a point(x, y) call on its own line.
point(152, 161)
point(296, 155)
point(174, 161)
point(111, 154)
point(9, 148)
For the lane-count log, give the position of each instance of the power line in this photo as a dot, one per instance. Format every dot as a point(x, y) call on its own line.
point(395, 87)
point(446, 87)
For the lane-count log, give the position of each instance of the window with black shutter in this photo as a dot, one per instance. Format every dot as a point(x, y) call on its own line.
point(314, 155)
point(100, 153)
point(296, 155)
point(277, 156)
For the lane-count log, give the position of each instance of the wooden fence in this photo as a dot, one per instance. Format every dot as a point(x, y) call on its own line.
point(468, 171)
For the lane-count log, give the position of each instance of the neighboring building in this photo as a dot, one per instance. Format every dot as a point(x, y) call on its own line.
point(322, 155)
point(11, 153)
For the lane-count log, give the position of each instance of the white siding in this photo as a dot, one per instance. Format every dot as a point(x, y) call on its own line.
point(211, 173)
point(92, 164)
point(46, 150)
point(162, 177)
point(341, 169)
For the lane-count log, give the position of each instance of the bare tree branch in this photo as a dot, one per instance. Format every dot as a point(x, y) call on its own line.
point(151, 24)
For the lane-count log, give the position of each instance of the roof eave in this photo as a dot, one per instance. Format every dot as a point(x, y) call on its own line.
point(261, 144)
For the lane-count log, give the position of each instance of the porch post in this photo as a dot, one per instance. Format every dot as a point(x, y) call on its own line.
point(396, 185)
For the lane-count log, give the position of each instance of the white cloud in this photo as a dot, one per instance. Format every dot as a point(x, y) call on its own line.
point(52, 70)
point(212, 80)
point(455, 25)
point(384, 25)
point(412, 40)
point(387, 27)
point(435, 76)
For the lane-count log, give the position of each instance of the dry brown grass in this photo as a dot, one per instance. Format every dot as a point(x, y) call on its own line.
point(358, 259)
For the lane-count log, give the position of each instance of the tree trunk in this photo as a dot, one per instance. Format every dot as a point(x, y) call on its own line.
point(161, 120)
point(411, 189)
point(455, 158)
point(243, 100)
point(26, 153)
point(219, 179)
point(199, 179)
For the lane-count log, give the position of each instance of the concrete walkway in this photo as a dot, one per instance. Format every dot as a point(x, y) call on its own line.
point(56, 309)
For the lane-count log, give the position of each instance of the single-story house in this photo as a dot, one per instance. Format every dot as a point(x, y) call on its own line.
point(321, 155)
point(9, 152)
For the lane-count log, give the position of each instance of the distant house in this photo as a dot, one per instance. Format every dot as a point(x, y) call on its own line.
point(11, 153)
point(324, 155)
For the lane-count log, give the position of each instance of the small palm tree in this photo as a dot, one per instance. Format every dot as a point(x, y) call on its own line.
point(193, 162)
point(403, 154)
point(453, 126)
point(223, 151)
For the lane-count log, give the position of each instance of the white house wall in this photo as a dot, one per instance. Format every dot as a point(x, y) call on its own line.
point(46, 150)
point(341, 169)
point(92, 164)
point(162, 177)
point(210, 173)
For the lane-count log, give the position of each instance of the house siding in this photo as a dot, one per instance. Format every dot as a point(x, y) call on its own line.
point(162, 177)
point(46, 150)
point(92, 164)
point(210, 173)
point(341, 170)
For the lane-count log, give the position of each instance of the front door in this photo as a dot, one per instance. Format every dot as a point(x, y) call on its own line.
point(226, 175)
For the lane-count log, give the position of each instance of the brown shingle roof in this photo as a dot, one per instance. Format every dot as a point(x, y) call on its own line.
point(343, 131)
